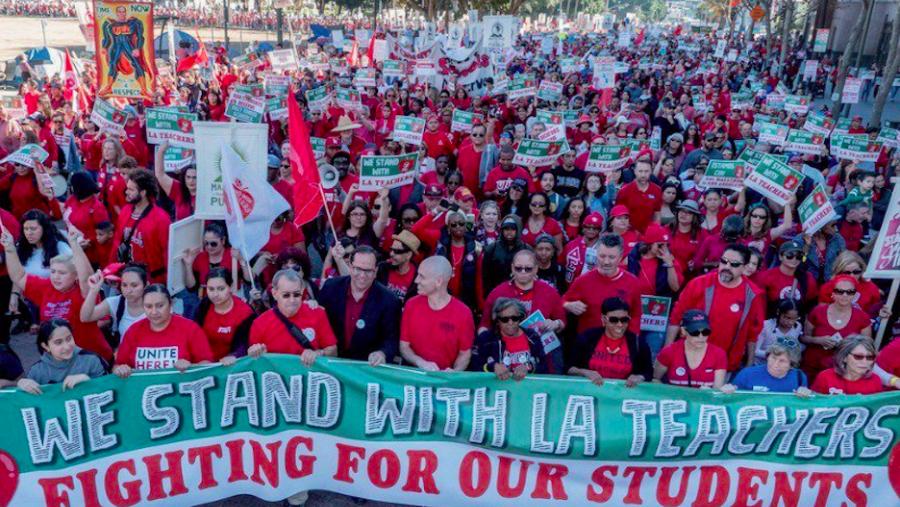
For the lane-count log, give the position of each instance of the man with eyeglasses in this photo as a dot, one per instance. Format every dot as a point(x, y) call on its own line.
point(475, 154)
point(588, 292)
point(735, 308)
point(364, 314)
point(437, 330)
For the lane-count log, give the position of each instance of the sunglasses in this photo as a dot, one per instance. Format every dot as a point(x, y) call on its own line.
point(523, 269)
point(400, 251)
point(619, 320)
point(292, 295)
point(538, 205)
point(700, 332)
point(863, 357)
point(509, 318)
point(734, 264)
point(212, 244)
point(477, 135)
point(791, 255)
point(761, 217)
point(852, 272)
point(845, 292)
point(410, 220)
point(456, 225)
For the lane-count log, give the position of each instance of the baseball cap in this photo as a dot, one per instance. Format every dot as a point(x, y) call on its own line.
point(618, 211)
point(791, 246)
point(434, 190)
point(273, 161)
point(656, 234)
point(694, 320)
point(333, 142)
point(519, 182)
point(594, 219)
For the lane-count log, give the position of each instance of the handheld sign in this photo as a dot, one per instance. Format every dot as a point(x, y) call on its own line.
point(409, 130)
point(172, 126)
point(107, 118)
point(377, 172)
point(816, 211)
point(655, 313)
point(774, 179)
point(536, 153)
point(26, 155)
point(856, 147)
point(605, 158)
point(727, 174)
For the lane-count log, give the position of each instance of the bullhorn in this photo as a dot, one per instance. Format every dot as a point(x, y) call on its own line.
point(330, 176)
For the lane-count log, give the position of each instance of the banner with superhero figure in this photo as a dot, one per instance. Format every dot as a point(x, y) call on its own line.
point(124, 39)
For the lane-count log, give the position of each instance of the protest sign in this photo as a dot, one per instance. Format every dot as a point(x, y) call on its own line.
point(606, 158)
point(841, 126)
point(26, 155)
point(742, 101)
point(889, 137)
point(393, 68)
point(521, 86)
point(317, 99)
point(123, 29)
point(816, 211)
point(462, 120)
point(727, 174)
point(365, 77)
point(409, 130)
point(270, 427)
point(775, 100)
point(172, 126)
point(810, 69)
point(14, 105)
point(885, 259)
point(184, 235)
point(424, 67)
point(501, 85)
point(820, 44)
point(753, 157)
point(250, 140)
point(275, 85)
point(549, 340)
point(536, 153)
point(318, 146)
point(499, 32)
point(283, 59)
point(774, 179)
point(856, 147)
point(391, 171)
point(550, 91)
point(818, 123)
point(276, 108)
point(720, 48)
point(107, 118)
point(803, 141)
point(348, 98)
point(248, 61)
point(655, 316)
point(175, 159)
point(850, 93)
point(797, 104)
point(246, 104)
point(569, 65)
point(773, 133)
point(604, 77)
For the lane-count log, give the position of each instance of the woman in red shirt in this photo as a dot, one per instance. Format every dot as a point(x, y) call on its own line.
point(215, 106)
point(162, 340)
point(85, 211)
point(215, 253)
point(852, 371)
point(536, 221)
point(183, 190)
point(686, 233)
point(692, 361)
point(612, 351)
point(25, 192)
point(868, 296)
point(829, 324)
point(224, 317)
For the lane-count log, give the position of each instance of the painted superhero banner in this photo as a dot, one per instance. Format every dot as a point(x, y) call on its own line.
point(774, 179)
point(174, 126)
point(270, 428)
point(126, 63)
point(377, 172)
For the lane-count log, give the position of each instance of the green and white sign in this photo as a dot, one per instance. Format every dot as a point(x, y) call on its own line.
point(378, 172)
point(348, 98)
point(283, 59)
point(742, 101)
point(818, 123)
point(172, 126)
point(462, 120)
point(318, 146)
point(393, 68)
point(816, 210)
point(318, 99)
point(247, 62)
point(727, 174)
point(550, 91)
point(798, 104)
point(25, 156)
point(804, 141)
point(855, 147)
point(365, 77)
point(176, 159)
point(569, 65)
point(773, 133)
point(889, 137)
point(107, 118)
point(521, 86)
point(409, 130)
point(276, 85)
point(606, 158)
point(820, 43)
point(276, 108)
point(14, 105)
point(247, 106)
point(774, 179)
point(536, 153)
point(270, 427)
point(655, 313)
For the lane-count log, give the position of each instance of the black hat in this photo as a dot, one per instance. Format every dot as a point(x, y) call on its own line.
point(694, 320)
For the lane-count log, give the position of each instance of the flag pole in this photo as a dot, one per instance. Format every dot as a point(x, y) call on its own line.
point(327, 213)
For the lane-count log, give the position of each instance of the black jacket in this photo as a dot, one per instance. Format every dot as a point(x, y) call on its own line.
point(378, 327)
point(489, 348)
point(638, 350)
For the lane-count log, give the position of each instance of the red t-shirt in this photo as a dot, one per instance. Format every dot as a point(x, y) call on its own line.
point(828, 382)
point(313, 322)
point(889, 358)
point(550, 227)
point(220, 328)
point(437, 335)
point(778, 286)
point(542, 297)
point(149, 243)
point(704, 375)
point(202, 266)
point(516, 351)
point(400, 284)
point(499, 180)
point(53, 304)
point(143, 348)
point(592, 288)
point(683, 246)
point(183, 208)
point(438, 143)
point(815, 357)
point(289, 236)
point(610, 358)
point(641, 204)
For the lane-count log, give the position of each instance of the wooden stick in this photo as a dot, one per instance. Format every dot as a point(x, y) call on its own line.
point(892, 295)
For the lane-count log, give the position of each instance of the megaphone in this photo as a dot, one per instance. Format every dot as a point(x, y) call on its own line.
point(329, 175)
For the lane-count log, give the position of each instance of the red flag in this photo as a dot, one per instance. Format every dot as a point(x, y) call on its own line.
point(199, 58)
point(73, 92)
point(307, 182)
point(353, 56)
point(371, 51)
point(677, 31)
point(640, 38)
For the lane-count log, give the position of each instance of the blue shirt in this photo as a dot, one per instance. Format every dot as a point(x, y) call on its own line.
point(758, 378)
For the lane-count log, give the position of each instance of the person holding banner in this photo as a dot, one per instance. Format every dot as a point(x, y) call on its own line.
point(224, 318)
point(534, 293)
point(28, 188)
point(853, 368)
point(506, 349)
point(828, 324)
point(612, 351)
point(692, 361)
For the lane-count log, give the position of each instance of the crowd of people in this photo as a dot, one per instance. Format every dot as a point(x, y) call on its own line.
point(480, 264)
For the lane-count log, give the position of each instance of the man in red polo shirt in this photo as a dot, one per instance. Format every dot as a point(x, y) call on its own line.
point(587, 293)
point(736, 311)
point(437, 330)
point(642, 197)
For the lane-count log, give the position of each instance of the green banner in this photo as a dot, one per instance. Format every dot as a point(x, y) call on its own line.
point(818, 123)
point(798, 104)
point(173, 126)
point(816, 210)
point(804, 141)
point(389, 171)
point(462, 121)
point(856, 147)
point(728, 174)
point(270, 428)
point(536, 153)
point(277, 108)
point(774, 179)
point(607, 158)
point(107, 118)
point(176, 159)
point(889, 137)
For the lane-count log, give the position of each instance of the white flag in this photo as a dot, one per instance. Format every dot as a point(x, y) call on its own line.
point(251, 204)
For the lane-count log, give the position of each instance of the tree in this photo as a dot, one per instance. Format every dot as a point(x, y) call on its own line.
point(890, 72)
point(844, 64)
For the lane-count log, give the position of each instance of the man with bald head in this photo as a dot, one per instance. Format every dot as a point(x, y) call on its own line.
point(437, 330)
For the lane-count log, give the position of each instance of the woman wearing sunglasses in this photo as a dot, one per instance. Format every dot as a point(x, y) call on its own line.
point(507, 350)
point(852, 371)
point(852, 264)
point(611, 351)
point(758, 230)
point(692, 361)
point(828, 325)
point(789, 279)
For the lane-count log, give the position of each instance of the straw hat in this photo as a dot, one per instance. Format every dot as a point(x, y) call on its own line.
point(345, 123)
